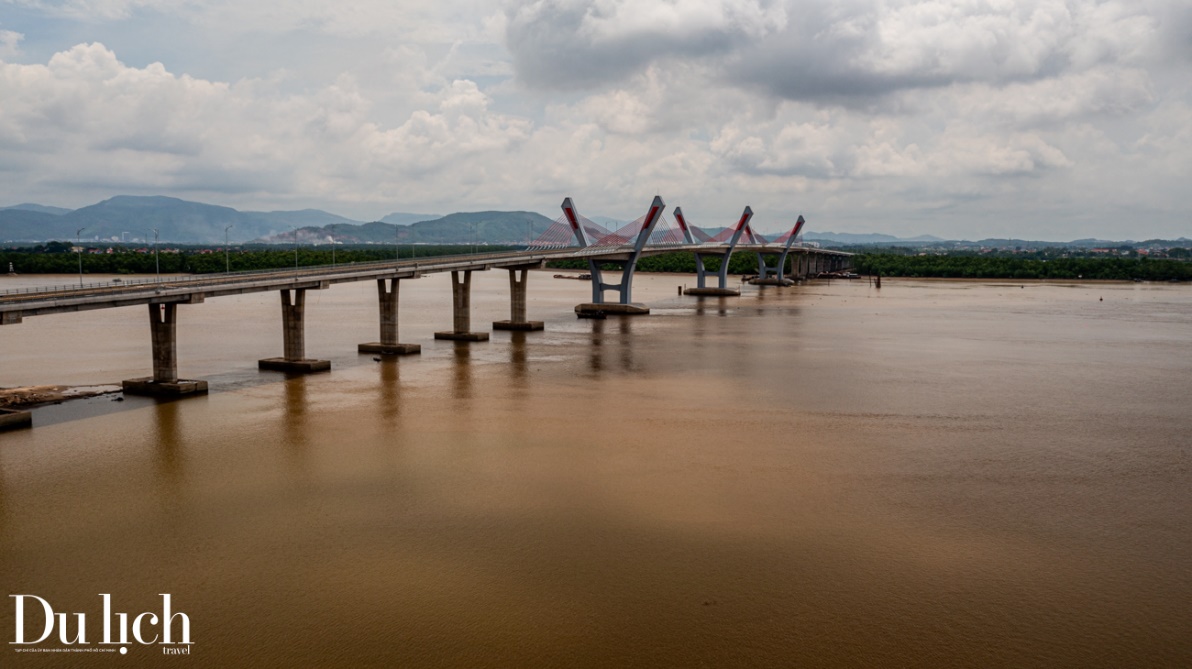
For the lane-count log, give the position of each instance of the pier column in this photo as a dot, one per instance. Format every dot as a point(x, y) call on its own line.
point(701, 272)
point(517, 304)
point(461, 292)
point(163, 327)
point(163, 332)
point(387, 297)
point(293, 308)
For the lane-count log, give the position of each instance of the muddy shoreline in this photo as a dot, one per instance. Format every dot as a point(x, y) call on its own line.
point(31, 396)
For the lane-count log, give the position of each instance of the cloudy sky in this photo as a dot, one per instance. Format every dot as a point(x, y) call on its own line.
point(967, 118)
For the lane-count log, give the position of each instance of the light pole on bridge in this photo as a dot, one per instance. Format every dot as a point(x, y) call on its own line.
point(79, 249)
point(156, 258)
point(227, 258)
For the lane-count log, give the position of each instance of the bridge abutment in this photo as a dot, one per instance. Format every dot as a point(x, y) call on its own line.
point(163, 329)
point(387, 297)
point(461, 298)
point(517, 304)
point(294, 360)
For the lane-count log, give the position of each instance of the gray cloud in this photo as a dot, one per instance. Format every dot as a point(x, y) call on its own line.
point(851, 53)
point(576, 44)
point(899, 116)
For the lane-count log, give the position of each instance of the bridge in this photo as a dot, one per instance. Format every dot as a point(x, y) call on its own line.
point(571, 237)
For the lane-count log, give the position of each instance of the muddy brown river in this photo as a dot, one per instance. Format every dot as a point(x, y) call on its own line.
point(933, 474)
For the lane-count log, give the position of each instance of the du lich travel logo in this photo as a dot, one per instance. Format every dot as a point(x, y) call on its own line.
point(39, 628)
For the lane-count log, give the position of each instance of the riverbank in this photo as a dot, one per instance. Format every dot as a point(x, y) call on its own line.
point(30, 396)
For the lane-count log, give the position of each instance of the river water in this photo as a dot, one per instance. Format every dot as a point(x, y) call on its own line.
point(930, 474)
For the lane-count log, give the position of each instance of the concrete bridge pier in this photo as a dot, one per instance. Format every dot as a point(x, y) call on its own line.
point(701, 274)
point(624, 306)
point(461, 292)
point(775, 275)
point(771, 275)
point(387, 292)
point(626, 263)
point(517, 303)
point(163, 328)
point(293, 307)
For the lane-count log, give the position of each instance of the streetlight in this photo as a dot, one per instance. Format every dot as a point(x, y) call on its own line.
point(396, 242)
point(79, 250)
point(156, 259)
point(227, 260)
point(295, 251)
point(332, 226)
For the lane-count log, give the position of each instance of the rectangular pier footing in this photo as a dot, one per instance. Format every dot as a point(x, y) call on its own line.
point(771, 282)
point(390, 349)
point(294, 366)
point(462, 336)
point(522, 326)
point(13, 419)
point(148, 387)
point(613, 309)
point(712, 292)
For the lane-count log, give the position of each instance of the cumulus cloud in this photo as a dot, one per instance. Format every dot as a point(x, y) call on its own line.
point(87, 118)
point(891, 115)
point(573, 44)
point(94, 9)
point(840, 52)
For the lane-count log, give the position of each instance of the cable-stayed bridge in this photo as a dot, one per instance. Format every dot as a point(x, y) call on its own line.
point(608, 253)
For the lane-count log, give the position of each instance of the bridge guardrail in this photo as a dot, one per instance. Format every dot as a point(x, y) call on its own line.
point(429, 263)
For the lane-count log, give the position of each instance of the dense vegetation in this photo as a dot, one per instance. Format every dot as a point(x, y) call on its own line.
point(1003, 267)
point(956, 266)
point(684, 263)
point(57, 258)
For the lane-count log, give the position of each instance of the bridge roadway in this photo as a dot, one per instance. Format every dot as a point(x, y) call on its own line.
point(20, 303)
point(164, 295)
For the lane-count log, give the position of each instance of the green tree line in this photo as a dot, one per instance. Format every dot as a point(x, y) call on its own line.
point(1002, 267)
point(57, 258)
point(683, 263)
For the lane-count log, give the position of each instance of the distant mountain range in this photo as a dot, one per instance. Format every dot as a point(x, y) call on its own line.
point(133, 218)
point(854, 238)
point(849, 239)
point(481, 227)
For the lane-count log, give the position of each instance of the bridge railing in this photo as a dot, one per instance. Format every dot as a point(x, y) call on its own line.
point(257, 273)
point(426, 262)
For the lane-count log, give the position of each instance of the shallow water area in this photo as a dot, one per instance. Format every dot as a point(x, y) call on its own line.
point(935, 473)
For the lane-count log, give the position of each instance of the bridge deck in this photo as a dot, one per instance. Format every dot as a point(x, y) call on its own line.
point(20, 303)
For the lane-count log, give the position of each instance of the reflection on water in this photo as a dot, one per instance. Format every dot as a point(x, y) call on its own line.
point(956, 474)
point(612, 337)
point(461, 388)
point(518, 370)
point(390, 366)
point(170, 455)
point(294, 424)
